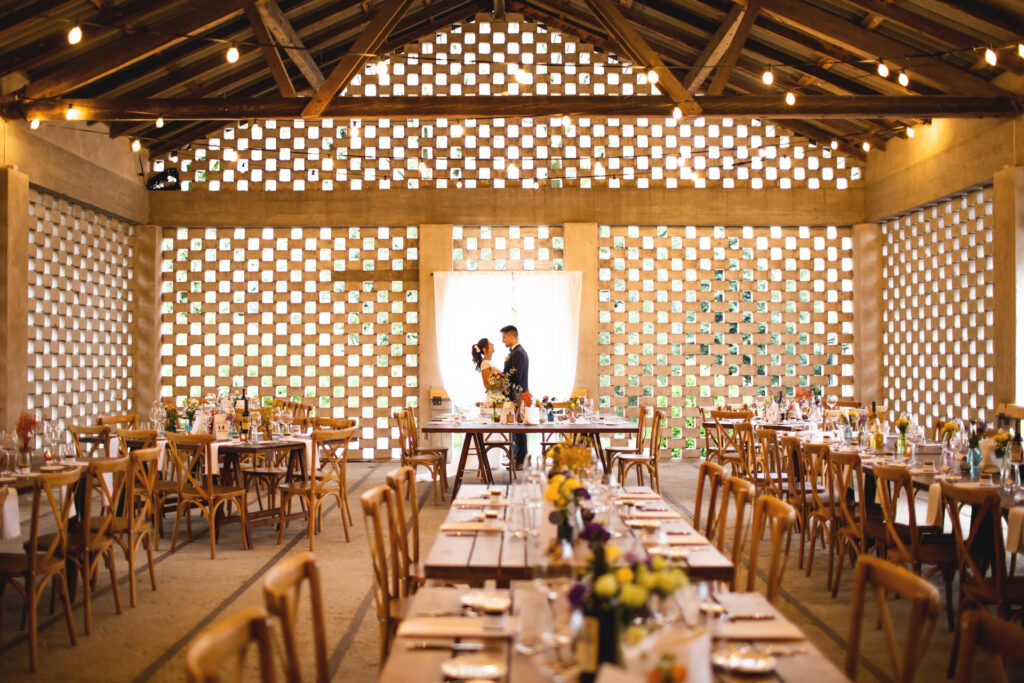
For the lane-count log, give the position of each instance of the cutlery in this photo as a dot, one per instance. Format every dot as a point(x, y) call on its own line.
point(442, 613)
point(454, 647)
point(752, 616)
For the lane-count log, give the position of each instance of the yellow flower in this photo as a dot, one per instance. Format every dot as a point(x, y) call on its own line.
point(633, 634)
point(612, 553)
point(624, 575)
point(902, 423)
point(606, 586)
point(644, 578)
point(658, 563)
point(633, 596)
point(1001, 437)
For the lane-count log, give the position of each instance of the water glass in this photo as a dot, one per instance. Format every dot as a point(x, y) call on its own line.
point(530, 606)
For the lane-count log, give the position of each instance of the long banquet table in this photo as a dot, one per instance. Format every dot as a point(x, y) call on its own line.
point(465, 555)
point(477, 430)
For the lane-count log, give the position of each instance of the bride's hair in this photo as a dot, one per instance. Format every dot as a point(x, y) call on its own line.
point(479, 351)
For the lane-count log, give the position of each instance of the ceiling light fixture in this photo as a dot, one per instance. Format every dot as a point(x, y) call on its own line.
point(73, 114)
point(768, 77)
point(910, 132)
point(136, 145)
point(232, 54)
point(1020, 50)
point(990, 56)
point(834, 144)
point(652, 76)
point(866, 146)
point(34, 124)
point(883, 70)
point(160, 122)
point(903, 79)
point(677, 113)
point(790, 98)
point(75, 35)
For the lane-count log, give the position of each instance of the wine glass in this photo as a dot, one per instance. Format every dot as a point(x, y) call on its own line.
point(832, 401)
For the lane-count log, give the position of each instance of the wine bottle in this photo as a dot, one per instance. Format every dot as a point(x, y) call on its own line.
point(1017, 446)
point(243, 424)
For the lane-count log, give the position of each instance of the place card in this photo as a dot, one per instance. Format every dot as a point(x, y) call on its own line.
point(489, 526)
point(638, 495)
point(655, 514)
point(686, 539)
point(480, 502)
point(457, 627)
point(758, 629)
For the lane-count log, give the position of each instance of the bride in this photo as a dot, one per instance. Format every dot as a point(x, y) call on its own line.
point(482, 352)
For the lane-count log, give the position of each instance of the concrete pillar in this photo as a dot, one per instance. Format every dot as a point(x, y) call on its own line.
point(146, 319)
point(1008, 285)
point(14, 226)
point(868, 273)
point(435, 255)
point(580, 253)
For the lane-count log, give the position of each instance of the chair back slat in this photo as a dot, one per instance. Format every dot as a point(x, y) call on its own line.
point(735, 431)
point(770, 463)
point(779, 518)
point(816, 479)
point(126, 421)
point(1000, 641)
point(895, 485)
point(710, 478)
point(983, 546)
point(89, 440)
point(403, 482)
point(282, 593)
point(330, 453)
point(847, 494)
point(58, 490)
point(225, 645)
point(192, 460)
point(737, 493)
point(654, 441)
point(401, 421)
point(333, 423)
point(106, 478)
point(379, 518)
point(130, 439)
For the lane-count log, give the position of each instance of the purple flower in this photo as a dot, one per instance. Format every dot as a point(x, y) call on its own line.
point(576, 594)
point(595, 533)
point(582, 493)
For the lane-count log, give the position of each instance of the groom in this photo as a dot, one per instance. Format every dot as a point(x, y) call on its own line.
point(520, 381)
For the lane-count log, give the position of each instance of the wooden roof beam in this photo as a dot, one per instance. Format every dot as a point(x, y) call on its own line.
point(757, 106)
point(637, 49)
point(197, 18)
point(822, 137)
point(832, 28)
point(382, 23)
point(288, 38)
point(733, 32)
point(269, 50)
point(722, 75)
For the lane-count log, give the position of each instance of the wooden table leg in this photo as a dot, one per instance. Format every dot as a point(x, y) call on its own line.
point(462, 465)
point(479, 439)
point(596, 438)
point(233, 466)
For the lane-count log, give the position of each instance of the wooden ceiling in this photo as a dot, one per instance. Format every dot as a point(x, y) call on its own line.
point(140, 59)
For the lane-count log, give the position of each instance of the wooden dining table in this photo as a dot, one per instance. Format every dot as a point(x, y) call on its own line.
point(473, 557)
point(415, 658)
point(476, 432)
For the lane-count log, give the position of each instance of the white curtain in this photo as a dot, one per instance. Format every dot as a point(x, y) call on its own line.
point(545, 306)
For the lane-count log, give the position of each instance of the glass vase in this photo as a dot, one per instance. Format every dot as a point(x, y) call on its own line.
point(846, 436)
point(901, 447)
point(24, 459)
point(974, 460)
point(1007, 474)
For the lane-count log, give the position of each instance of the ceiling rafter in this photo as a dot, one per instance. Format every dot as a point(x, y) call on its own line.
point(732, 54)
point(728, 34)
point(286, 36)
point(269, 50)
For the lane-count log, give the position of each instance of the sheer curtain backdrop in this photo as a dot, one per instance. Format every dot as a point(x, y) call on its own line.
point(544, 305)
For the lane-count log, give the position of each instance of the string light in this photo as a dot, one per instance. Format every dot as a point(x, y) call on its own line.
point(677, 113)
point(910, 132)
point(866, 146)
point(34, 124)
point(566, 122)
point(457, 130)
point(160, 122)
point(790, 99)
point(136, 145)
point(768, 77)
point(903, 79)
point(230, 155)
point(834, 144)
point(382, 69)
point(523, 77)
point(75, 35)
point(652, 76)
point(883, 70)
point(1020, 50)
point(990, 56)
point(232, 54)
point(73, 114)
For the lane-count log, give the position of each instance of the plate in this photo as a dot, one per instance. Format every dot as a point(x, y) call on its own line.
point(745, 660)
point(486, 601)
point(643, 523)
point(479, 666)
point(51, 468)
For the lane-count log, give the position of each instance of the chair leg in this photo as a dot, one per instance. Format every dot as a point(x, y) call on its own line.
point(947, 578)
point(802, 518)
point(243, 518)
point(831, 552)
point(281, 521)
point(813, 540)
point(87, 592)
point(31, 598)
point(67, 606)
point(113, 580)
point(314, 513)
point(212, 519)
point(843, 542)
point(177, 520)
point(129, 552)
point(149, 555)
point(343, 522)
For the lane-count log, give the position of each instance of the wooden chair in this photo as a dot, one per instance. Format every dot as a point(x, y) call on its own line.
point(799, 495)
point(846, 493)
point(709, 480)
point(139, 438)
point(909, 543)
point(779, 517)
point(638, 445)
point(771, 475)
point(433, 459)
point(711, 445)
point(998, 639)
point(333, 423)
point(644, 461)
point(226, 644)
point(326, 481)
point(738, 493)
point(282, 589)
point(411, 574)
point(848, 404)
point(379, 517)
point(831, 419)
point(884, 577)
point(193, 462)
point(300, 411)
point(88, 441)
point(134, 525)
point(735, 440)
point(822, 520)
point(37, 565)
point(115, 422)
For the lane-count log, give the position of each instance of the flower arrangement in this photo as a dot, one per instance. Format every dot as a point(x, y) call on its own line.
point(568, 457)
point(574, 403)
point(975, 433)
point(850, 417)
point(948, 431)
point(26, 428)
point(170, 417)
point(500, 386)
point(1002, 443)
point(189, 407)
point(903, 424)
point(562, 491)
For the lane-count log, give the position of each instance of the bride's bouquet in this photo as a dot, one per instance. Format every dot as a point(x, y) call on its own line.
point(500, 386)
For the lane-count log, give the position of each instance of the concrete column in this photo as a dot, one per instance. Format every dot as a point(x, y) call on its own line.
point(1008, 285)
point(14, 225)
point(580, 253)
point(146, 319)
point(435, 255)
point(868, 272)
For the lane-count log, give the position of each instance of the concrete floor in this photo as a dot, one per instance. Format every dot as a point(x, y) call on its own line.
point(148, 642)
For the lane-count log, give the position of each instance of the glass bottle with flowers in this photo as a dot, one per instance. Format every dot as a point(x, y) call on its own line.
point(975, 433)
point(26, 428)
point(849, 418)
point(563, 492)
point(902, 425)
point(1002, 451)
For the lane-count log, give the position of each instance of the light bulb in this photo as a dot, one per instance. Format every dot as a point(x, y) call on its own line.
point(834, 144)
point(566, 122)
point(990, 56)
point(230, 155)
point(903, 79)
point(457, 130)
point(160, 122)
point(73, 114)
point(382, 69)
point(768, 77)
point(136, 145)
point(790, 99)
point(866, 146)
point(910, 132)
point(34, 124)
point(75, 35)
point(883, 70)
point(1020, 50)
point(652, 76)
point(232, 54)
point(677, 113)
point(523, 77)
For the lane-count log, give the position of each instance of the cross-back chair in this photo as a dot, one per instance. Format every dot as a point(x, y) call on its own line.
point(772, 475)
point(326, 481)
point(822, 520)
point(644, 461)
point(710, 478)
point(778, 517)
point(638, 443)
point(998, 639)
point(883, 577)
point(129, 440)
point(225, 645)
point(849, 505)
point(799, 494)
point(736, 493)
point(134, 525)
point(411, 574)
point(735, 435)
point(41, 564)
point(90, 441)
point(380, 518)
point(909, 543)
point(282, 594)
point(193, 462)
point(435, 460)
point(333, 423)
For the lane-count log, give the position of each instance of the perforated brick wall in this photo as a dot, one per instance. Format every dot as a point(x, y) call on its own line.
point(507, 248)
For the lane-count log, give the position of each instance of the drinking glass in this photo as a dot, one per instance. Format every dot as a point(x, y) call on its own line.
point(832, 400)
point(530, 606)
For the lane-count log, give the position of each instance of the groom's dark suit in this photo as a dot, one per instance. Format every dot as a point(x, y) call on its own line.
point(519, 382)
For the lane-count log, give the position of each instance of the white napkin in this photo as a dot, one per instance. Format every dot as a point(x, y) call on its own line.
point(934, 515)
point(10, 520)
point(1015, 529)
